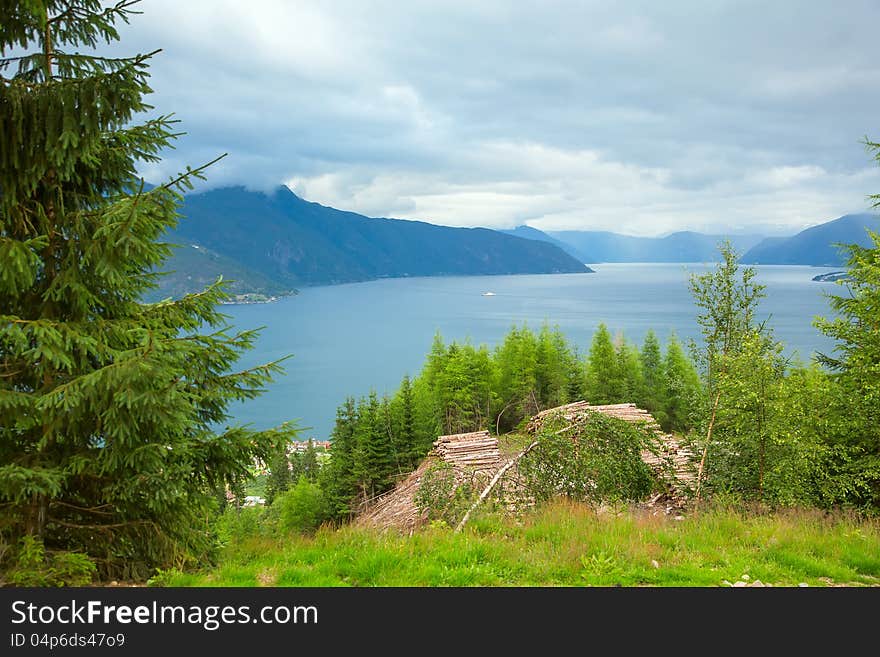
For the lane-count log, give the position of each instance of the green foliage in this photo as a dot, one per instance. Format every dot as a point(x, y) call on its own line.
point(442, 497)
point(856, 358)
point(279, 478)
point(532, 372)
point(749, 382)
point(651, 364)
point(597, 460)
point(303, 508)
point(237, 524)
point(605, 384)
point(681, 390)
point(33, 567)
point(728, 299)
point(459, 378)
point(109, 407)
point(165, 577)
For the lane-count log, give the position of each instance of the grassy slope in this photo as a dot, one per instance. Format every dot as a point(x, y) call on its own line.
point(567, 545)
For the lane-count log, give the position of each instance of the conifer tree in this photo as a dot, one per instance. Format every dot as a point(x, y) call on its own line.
point(409, 448)
point(651, 361)
point(855, 360)
point(601, 368)
point(338, 478)
point(516, 379)
point(279, 478)
point(108, 406)
point(374, 459)
point(310, 461)
point(681, 388)
point(628, 372)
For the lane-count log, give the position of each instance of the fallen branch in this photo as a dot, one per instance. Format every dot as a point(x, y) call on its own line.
point(491, 485)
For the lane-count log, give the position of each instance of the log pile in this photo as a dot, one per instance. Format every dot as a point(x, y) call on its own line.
point(397, 508)
point(468, 453)
point(573, 412)
point(477, 450)
point(477, 453)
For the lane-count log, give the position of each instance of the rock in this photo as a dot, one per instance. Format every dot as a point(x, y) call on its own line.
point(746, 577)
point(803, 585)
point(114, 583)
point(740, 584)
point(726, 583)
point(758, 583)
point(654, 563)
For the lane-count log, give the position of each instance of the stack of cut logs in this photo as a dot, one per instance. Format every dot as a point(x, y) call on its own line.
point(574, 411)
point(477, 449)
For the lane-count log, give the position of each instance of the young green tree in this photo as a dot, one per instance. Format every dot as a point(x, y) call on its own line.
point(310, 461)
point(650, 396)
point(856, 331)
point(603, 378)
point(681, 389)
point(279, 478)
point(408, 444)
point(109, 407)
point(374, 452)
point(556, 368)
point(751, 382)
point(728, 298)
point(516, 377)
point(338, 478)
point(628, 381)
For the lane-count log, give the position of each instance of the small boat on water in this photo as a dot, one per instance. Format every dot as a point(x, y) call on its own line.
point(488, 294)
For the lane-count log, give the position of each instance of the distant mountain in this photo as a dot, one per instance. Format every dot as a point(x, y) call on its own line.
point(193, 268)
point(281, 240)
point(816, 245)
point(530, 233)
point(684, 246)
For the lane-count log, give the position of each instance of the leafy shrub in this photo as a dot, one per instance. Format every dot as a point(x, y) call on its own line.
point(164, 576)
point(302, 508)
point(34, 568)
point(597, 460)
point(236, 524)
point(442, 497)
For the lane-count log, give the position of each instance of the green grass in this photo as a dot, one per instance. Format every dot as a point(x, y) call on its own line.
point(566, 544)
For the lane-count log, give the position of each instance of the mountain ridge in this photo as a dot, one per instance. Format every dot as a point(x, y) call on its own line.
point(290, 242)
point(815, 245)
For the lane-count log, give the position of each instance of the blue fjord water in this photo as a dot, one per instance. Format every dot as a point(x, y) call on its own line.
point(347, 339)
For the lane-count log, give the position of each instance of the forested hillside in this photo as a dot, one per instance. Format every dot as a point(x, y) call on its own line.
point(292, 242)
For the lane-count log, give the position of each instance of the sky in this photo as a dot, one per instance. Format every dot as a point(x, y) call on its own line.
point(638, 117)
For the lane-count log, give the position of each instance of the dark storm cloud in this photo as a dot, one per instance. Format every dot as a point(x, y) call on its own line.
point(642, 117)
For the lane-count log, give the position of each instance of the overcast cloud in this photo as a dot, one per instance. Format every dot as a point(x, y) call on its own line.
point(638, 117)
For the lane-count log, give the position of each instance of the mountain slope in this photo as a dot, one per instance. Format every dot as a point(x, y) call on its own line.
point(293, 242)
point(685, 246)
point(192, 268)
point(529, 233)
point(816, 245)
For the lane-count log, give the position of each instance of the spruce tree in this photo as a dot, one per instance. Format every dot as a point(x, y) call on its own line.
point(109, 407)
point(651, 360)
point(279, 478)
point(681, 390)
point(602, 375)
point(310, 461)
point(338, 477)
point(408, 446)
point(855, 360)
